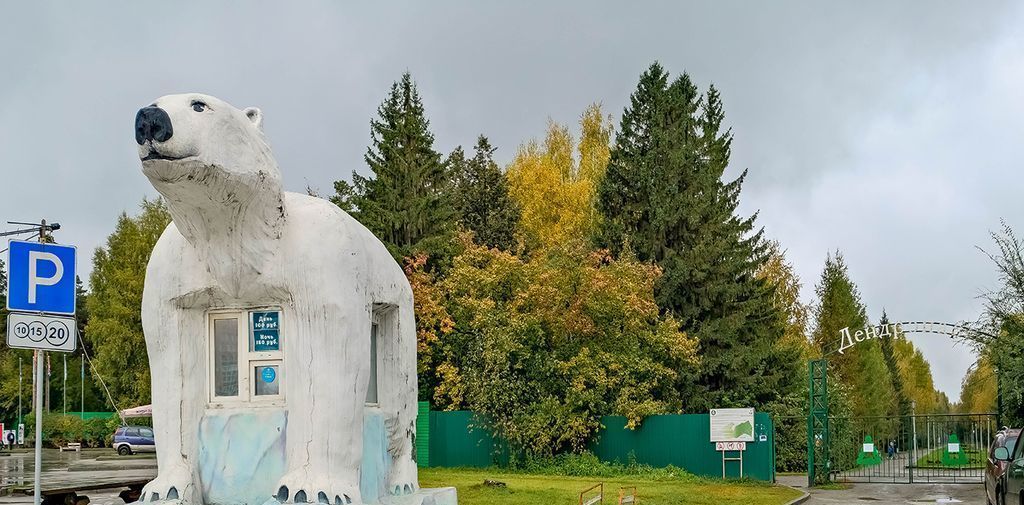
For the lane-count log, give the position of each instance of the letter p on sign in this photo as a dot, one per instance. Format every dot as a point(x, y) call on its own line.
point(34, 280)
point(41, 278)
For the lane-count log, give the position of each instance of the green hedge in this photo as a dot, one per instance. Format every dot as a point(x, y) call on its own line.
point(60, 429)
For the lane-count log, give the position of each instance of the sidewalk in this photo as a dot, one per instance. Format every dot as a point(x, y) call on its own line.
point(890, 494)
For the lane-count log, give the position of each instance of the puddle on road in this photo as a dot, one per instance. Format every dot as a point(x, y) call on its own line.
point(18, 468)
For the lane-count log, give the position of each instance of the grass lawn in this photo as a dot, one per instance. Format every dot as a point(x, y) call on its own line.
point(526, 489)
point(933, 459)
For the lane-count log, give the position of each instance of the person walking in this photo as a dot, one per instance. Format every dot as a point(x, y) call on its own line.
point(892, 450)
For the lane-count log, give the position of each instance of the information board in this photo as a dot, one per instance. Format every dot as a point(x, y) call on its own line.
point(732, 425)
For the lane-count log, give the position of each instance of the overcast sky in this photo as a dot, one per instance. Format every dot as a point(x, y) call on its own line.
point(888, 130)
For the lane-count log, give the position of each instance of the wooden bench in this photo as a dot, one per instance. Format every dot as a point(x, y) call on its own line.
point(627, 495)
point(72, 446)
point(597, 492)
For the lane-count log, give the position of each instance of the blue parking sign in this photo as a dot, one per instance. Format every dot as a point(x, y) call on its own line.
point(41, 278)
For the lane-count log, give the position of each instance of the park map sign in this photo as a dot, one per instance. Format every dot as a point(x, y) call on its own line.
point(732, 425)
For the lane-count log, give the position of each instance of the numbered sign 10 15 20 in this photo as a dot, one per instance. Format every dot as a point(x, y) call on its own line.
point(47, 333)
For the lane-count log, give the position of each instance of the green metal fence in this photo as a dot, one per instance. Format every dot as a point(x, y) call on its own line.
point(458, 440)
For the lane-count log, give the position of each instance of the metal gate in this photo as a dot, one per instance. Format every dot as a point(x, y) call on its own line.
point(938, 448)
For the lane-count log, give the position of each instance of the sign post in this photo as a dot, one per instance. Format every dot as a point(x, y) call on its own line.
point(731, 429)
point(41, 301)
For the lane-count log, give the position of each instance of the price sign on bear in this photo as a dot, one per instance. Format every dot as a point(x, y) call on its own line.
point(266, 331)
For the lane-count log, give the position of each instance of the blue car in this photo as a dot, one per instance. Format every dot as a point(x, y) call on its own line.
point(133, 439)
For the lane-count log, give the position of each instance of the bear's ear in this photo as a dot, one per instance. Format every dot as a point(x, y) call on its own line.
point(255, 115)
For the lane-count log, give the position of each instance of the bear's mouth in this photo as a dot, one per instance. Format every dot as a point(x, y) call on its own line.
point(155, 155)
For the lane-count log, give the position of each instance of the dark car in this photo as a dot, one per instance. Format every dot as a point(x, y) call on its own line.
point(1003, 446)
point(132, 439)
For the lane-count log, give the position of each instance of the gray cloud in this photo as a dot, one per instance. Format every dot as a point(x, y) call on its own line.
point(886, 130)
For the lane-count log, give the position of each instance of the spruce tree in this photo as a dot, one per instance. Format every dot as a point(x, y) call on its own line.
point(482, 199)
point(664, 197)
point(902, 401)
point(405, 202)
point(860, 368)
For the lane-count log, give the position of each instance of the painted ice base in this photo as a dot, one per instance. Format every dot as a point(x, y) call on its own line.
point(242, 457)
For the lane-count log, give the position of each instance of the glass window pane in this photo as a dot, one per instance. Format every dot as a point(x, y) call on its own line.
point(371, 390)
point(225, 357)
point(265, 333)
point(268, 380)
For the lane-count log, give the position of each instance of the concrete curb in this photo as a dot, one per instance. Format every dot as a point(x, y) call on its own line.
point(797, 501)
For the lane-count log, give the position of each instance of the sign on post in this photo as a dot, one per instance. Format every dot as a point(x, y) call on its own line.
point(41, 278)
point(730, 446)
point(40, 294)
point(47, 333)
point(731, 429)
point(732, 425)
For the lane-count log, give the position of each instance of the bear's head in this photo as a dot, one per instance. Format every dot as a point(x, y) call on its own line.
point(193, 140)
point(214, 168)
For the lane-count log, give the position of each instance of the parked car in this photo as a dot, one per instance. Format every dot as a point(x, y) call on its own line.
point(132, 439)
point(1000, 454)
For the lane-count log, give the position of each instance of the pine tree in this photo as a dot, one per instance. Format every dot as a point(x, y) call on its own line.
point(664, 197)
point(406, 202)
point(482, 199)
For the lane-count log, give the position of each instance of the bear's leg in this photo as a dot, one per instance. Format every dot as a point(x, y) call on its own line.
point(325, 390)
point(398, 398)
point(176, 353)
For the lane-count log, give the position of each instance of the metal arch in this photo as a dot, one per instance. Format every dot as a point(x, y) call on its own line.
point(954, 330)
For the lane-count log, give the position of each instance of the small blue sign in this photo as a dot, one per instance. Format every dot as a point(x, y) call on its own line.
point(268, 374)
point(266, 331)
point(41, 278)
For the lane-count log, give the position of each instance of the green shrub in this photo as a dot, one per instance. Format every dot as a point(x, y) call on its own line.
point(59, 429)
point(586, 464)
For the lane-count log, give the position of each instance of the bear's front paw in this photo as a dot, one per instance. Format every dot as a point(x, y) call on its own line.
point(301, 487)
point(402, 479)
point(172, 484)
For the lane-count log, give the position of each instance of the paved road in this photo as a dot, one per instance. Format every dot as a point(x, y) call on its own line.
point(72, 469)
point(891, 494)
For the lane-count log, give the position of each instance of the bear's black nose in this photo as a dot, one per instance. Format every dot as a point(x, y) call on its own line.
point(152, 123)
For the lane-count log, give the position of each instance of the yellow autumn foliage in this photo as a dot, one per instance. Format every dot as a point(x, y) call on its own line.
point(554, 188)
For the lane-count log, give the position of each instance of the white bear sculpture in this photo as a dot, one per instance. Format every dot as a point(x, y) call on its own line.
point(280, 331)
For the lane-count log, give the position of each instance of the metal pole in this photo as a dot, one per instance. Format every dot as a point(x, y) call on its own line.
point(64, 393)
point(41, 356)
point(39, 429)
point(82, 412)
point(20, 379)
point(913, 455)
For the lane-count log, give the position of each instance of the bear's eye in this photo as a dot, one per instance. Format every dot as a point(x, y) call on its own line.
point(198, 106)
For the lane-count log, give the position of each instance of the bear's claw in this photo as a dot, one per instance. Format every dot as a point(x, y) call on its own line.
point(174, 484)
point(301, 496)
point(402, 479)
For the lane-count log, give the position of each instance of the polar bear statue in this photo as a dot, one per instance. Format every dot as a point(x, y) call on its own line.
point(238, 242)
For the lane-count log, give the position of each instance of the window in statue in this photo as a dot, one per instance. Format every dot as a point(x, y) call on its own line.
point(246, 361)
